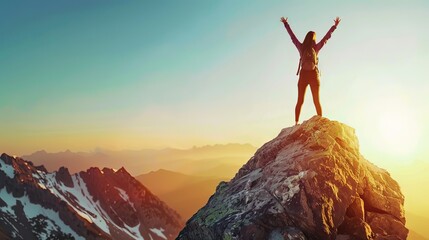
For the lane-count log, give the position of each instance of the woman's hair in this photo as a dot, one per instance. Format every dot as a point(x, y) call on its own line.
point(309, 41)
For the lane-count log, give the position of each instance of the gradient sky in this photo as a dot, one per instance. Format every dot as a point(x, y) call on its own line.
point(135, 74)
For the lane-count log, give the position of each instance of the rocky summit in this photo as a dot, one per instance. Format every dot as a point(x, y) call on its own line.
point(310, 182)
point(94, 204)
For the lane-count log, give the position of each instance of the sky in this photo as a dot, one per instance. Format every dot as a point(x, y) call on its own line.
point(82, 75)
point(151, 74)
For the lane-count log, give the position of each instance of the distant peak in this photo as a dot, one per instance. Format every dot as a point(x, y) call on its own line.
point(63, 175)
point(162, 170)
point(165, 172)
point(63, 169)
point(122, 170)
point(107, 170)
point(41, 152)
point(94, 170)
point(7, 158)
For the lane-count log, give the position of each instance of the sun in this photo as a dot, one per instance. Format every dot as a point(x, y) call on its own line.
point(398, 130)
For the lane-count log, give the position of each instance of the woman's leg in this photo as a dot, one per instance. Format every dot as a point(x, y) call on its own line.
point(302, 86)
point(315, 86)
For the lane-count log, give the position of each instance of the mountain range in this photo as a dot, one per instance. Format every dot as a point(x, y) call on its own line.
point(38, 202)
point(211, 160)
point(92, 204)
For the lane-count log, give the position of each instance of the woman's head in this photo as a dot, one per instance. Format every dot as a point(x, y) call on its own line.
point(309, 40)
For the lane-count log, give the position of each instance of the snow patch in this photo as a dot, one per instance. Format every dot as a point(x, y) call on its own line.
point(79, 198)
point(135, 231)
point(42, 186)
point(159, 232)
point(7, 169)
point(8, 199)
point(125, 196)
point(86, 207)
point(32, 210)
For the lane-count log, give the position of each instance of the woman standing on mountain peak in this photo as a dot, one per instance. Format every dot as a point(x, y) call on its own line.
point(307, 68)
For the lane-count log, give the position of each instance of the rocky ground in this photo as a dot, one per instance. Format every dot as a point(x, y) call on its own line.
point(310, 182)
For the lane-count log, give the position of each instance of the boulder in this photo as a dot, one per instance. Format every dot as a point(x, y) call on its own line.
point(309, 182)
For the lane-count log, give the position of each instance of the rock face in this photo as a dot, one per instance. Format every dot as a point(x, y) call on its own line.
point(310, 182)
point(93, 204)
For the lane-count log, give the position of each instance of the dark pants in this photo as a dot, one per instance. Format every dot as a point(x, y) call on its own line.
point(308, 78)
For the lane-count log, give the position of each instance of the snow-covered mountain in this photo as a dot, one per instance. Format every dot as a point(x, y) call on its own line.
point(92, 204)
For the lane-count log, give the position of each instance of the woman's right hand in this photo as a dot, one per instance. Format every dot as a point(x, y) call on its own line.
point(337, 21)
point(283, 20)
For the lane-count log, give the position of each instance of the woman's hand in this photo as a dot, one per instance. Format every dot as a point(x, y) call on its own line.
point(283, 20)
point(337, 21)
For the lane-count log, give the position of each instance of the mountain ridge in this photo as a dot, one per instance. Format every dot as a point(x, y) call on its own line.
point(92, 204)
point(188, 161)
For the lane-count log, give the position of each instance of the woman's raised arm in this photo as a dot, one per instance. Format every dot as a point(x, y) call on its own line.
point(322, 42)
point(292, 35)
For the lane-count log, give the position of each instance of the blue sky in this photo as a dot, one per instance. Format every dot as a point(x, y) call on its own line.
point(132, 74)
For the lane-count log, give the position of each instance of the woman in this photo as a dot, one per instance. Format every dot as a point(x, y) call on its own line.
point(307, 69)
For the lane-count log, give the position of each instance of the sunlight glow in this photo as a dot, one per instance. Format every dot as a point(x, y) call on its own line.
point(398, 130)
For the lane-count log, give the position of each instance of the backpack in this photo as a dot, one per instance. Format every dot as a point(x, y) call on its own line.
point(308, 60)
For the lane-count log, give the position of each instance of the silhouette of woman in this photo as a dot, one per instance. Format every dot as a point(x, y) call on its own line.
point(307, 68)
